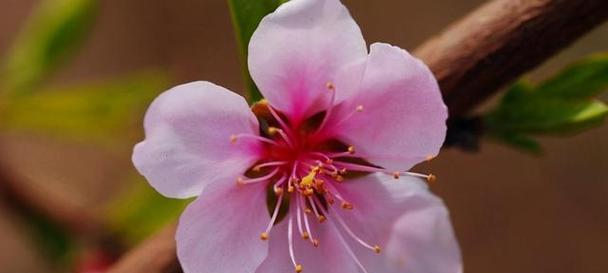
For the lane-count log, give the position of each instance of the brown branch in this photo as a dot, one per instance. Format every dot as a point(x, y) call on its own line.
point(502, 39)
point(157, 255)
point(16, 194)
point(472, 59)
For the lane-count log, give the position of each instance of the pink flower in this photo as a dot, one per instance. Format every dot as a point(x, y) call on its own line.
point(318, 172)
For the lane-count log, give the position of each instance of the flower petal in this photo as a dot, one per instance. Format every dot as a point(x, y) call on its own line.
point(402, 216)
point(329, 257)
point(187, 143)
point(298, 49)
point(220, 231)
point(401, 117)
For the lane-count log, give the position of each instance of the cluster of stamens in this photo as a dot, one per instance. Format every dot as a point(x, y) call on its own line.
point(305, 175)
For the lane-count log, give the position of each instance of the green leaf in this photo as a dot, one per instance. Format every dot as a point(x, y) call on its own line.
point(548, 116)
point(51, 34)
point(584, 79)
point(519, 141)
point(517, 92)
point(141, 211)
point(102, 111)
point(562, 104)
point(246, 15)
point(54, 242)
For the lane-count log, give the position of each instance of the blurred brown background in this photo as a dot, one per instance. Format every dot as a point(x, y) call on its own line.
point(513, 212)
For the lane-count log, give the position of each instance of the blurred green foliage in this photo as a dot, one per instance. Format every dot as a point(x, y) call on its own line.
point(93, 111)
point(53, 32)
point(140, 211)
point(54, 241)
point(246, 15)
point(560, 105)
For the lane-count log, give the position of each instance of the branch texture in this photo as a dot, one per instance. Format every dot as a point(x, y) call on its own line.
point(502, 39)
point(157, 255)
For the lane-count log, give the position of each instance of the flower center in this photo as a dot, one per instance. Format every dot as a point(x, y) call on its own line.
point(303, 167)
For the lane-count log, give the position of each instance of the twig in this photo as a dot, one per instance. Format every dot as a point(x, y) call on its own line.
point(472, 59)
point(15, 194)
point(502, 39)
point(157, 255)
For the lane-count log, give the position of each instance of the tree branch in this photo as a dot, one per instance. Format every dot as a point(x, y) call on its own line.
point(499, 41)
point(157, 255)
point(472, 59)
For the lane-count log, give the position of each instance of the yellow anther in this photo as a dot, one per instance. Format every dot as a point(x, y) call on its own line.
point(272, 130)
point(346, 205)
point(396, 175)
point(319, 182)
point(233, 139)
point(377, 249)
point(290, 189)
point(264, 236)
point(256, 168)
point(305, 235)
point(278, 191)
point(315, 243)
point(431, 178)
point(299, 268)
point(339, 178)
point(430, 157)
point(330, 86)
point(263, 102)
point(359, 108)
point(351, 149)
point(307, 181)
point(308, 192)
point(322, 218)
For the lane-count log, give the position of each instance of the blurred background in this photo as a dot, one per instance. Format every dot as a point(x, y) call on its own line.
point(65, 144)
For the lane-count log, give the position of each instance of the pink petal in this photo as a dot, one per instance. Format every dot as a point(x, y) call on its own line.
point(187, 143)
point(410, 224)
point(329, 257)
point(220, 231)
point(402, 121)
point(298, 49)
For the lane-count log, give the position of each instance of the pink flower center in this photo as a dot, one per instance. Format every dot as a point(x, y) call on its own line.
point(303, 167)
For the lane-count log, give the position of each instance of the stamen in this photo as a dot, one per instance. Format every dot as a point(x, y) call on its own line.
point(358, 109)
point(352, 234)
point(235, 138)
point(278, 118)
point(429, 177)
point(314, 241)
point(299, 218)
point(273, 219)
point(349, 250)
point(243, 181)
point(298, 267)
point(323, 156)
point(334, 192)
point(332, 101)
point(268, 164)
point(347, 246)
point(274, 130)
point(361, 168)
point(290, 181)
point(277, 185)
point(320, 217)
